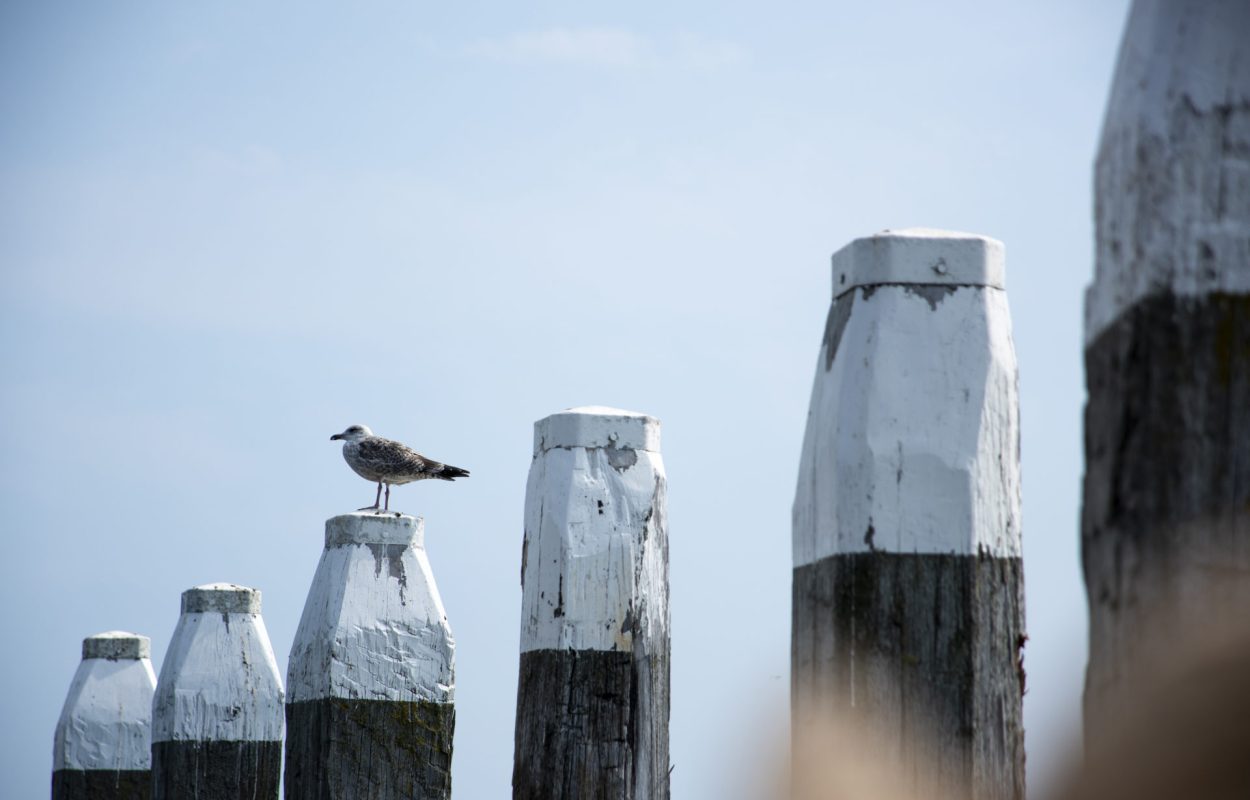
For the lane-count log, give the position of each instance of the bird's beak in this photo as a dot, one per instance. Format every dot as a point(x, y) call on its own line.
point(336, 436)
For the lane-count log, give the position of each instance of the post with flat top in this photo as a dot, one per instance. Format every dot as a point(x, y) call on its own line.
point(593, 694)
point(1165, 519)
point(371, 676)
point(102, 748)
point(908, 609)
point(217, 713)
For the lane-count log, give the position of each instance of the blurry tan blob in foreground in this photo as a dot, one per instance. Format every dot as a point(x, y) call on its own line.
point(846, 762)
point(1182, 733)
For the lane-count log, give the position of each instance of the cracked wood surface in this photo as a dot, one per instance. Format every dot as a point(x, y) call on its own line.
point(340, 749)
point(591, 725)
point(925, 651)
point(221, 770)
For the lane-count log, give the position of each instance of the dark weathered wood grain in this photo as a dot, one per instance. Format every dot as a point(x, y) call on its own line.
point(188, 770)
point(339, 749)
point(1165, 522)
point(101, 784)
point(926, 650)
point(591, 725)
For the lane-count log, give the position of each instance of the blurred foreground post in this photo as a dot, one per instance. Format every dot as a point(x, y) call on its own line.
point(102, 749)
point(908, 607)
point(593, 695)
point(372, 670)
point(1165, 524)
point(217, 714)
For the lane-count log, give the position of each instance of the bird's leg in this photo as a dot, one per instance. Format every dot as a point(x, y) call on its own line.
point(388, 498)
point(376, 500)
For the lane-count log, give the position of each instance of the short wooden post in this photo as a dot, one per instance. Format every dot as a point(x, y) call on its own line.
point(908, 612)
point(372, 670)
point(593, 695)
point(102, 747)
point(1165, 524)
point(217, 714)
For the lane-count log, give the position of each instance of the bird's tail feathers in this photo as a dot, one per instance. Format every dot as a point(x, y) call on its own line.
point(450, 473)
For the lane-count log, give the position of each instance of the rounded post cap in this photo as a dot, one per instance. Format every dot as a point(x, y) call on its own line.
point(117, 646)
point(919, 255)
point(368, 527)
point(226, 598)
point(597, 426)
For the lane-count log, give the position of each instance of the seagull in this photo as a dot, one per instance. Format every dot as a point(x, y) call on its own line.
point(389, 463)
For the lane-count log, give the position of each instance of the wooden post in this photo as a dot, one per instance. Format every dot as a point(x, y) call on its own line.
point(908, 612)
point(593, 695)
point(217, 714)
point(102, 748)
point(372, 670)
point(1165, 524)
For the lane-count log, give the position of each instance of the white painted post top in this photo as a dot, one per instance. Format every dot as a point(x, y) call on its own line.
point(117, 646)
point(373, 626)
point(912, 441)
point(1170, 189)
point(106, 721)
point(219, 680)
point(224, 598)
point(594, 563)
point(366, 527)
point(1173, 53)
point(919, 255)
point(597, 426)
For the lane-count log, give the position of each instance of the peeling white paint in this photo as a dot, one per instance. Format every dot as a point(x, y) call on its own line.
point(373, 626)
point(1172, 179)
point(597, 426)
point(106, 722)
point(919, 255)
point(912, 441)
point(595, 565)
point(220, 680)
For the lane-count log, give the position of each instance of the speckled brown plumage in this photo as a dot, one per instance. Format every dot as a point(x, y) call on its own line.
point(389, 463)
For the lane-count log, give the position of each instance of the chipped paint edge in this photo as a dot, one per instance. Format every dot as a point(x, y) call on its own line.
point(597, 426)
point(919, 256)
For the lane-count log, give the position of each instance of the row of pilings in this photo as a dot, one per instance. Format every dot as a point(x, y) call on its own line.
point(907, 606)
point(367, 710)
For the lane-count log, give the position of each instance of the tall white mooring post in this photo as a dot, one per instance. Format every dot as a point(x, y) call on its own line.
point(908, 606)
point(371, 677)
point(217, 714)
point(1165, 523)
point(593, 694)
point(102, 747)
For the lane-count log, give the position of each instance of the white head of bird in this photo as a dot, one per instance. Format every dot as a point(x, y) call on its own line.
point(354, 433)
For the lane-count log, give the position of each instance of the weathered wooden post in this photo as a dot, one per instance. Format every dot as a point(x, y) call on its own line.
point(908, 608)
point(217, 714)
point(102, 747)
point(372, 670)
point(593, 695)
point(1165, 524)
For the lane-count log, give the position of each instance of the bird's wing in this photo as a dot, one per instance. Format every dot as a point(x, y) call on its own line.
point(389, 457)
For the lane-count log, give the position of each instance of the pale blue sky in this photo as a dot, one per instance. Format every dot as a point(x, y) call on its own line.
point(229, 230)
